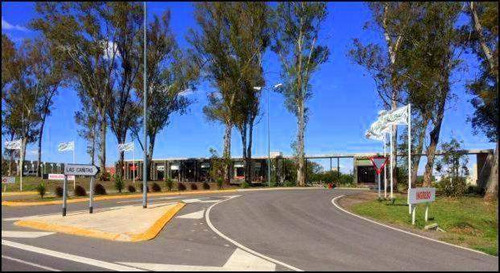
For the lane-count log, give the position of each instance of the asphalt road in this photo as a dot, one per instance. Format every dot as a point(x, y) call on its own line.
point(277, 230)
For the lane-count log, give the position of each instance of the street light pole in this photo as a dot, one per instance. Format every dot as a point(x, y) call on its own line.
point(144, 166)
point(268, 143)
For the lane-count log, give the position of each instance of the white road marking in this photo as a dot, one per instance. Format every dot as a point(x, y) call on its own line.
point(238, 261)
point(403, 231)
point(188, 201)
point(70, 257)
point(31, 264)
point(193, 215)
point(149, 199)
point(207, 218)
point(24, 234)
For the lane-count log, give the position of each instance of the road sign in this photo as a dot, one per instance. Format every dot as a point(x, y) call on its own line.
point(422, 195)
point(378, 162)
point(60, 176)
point(8, 180)
point(80, 169)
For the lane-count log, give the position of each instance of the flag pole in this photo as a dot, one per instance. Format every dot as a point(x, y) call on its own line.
point(385, 171)
point(409, 155)
point(145, 97)
point(133, 165)
point(392, 159)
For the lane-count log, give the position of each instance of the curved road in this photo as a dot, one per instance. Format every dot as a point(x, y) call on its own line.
point(304, 229)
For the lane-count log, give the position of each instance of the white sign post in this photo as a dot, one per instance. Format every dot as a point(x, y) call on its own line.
point(8, 180)
point(16, 145)
point(68, 146)
point(420, 195)
point(79, 169)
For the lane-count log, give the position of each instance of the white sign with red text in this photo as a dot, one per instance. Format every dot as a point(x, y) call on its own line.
point(422, 195)
point(8, 180)
point(60, 176)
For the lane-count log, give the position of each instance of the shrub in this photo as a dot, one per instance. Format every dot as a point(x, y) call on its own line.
point(206, 186)
point(452, 187)
point(169, 183)
point(476, 190)
point(59, 191)
point(181, 187)
point(119, 184)
point(80, 191)
point(244, 185)
point(41, 189)
point(99, 189)
point(290, 183)
point(105, 176)
point(194, 186)
point(156, 187)
point(220, 183)
point(131, 188)
point(142, 187)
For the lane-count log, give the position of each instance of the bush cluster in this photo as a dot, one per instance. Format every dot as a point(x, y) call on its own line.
point(80, 191)
point(206, 186)
point(194, 186)
point(244, 185)
point(59, 191)
point(41, 189)
point(181, 187)
point(156, 187)
point(99, 189)
point(220, 183)
point(452, 187)
point(169, 184)
point(105, 176)
point(131, 188)
point(119, 184)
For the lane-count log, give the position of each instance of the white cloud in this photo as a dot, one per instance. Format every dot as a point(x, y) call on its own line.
point(8, 26)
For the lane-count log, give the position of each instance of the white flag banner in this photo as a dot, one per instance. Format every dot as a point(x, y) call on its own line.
point(13, 145)
point(398, 116)
point(126, 147)
point(66, 146)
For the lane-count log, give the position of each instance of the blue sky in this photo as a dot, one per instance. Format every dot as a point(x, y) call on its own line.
point(343, 106)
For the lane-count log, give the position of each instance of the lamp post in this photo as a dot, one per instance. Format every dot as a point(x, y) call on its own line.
point(144, 166)
point(268, 134)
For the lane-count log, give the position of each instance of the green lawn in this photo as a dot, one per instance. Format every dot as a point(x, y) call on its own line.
point(468, 221)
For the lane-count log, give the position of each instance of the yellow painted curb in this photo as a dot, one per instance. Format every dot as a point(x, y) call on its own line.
point(14, 193)
point(110, 197)
point(151, 233)
point(158, 225)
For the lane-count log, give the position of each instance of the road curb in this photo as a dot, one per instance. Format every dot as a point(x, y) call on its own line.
point(110, 197)
point(19, 193)
point(401, 230)
point(149, 234)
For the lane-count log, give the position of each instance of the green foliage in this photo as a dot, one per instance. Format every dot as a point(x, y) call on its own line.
point(169, 183)
point(206, 186)
point(194, 186)
point(41, 189)
point(131, 188)
point(105, 176)
point(454, 161)
point(290, 184)
point(220, 182)
point(244, 185)
point(80, 191)
point(217, 166)
point(452, 187)
point(181, 186)
point(119, 183)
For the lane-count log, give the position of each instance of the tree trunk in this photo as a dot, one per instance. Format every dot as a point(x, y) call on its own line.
point(226, 154)
point(434, 137)
point(102, 145)
point(418, 151)
point(243, 133)
point(22, 155)
point(492, 187)
point(249, 164)
point(300, 147)
point(40, 136)
point(150, 155)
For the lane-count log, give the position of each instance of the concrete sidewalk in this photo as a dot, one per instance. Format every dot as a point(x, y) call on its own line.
point(126, 223)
